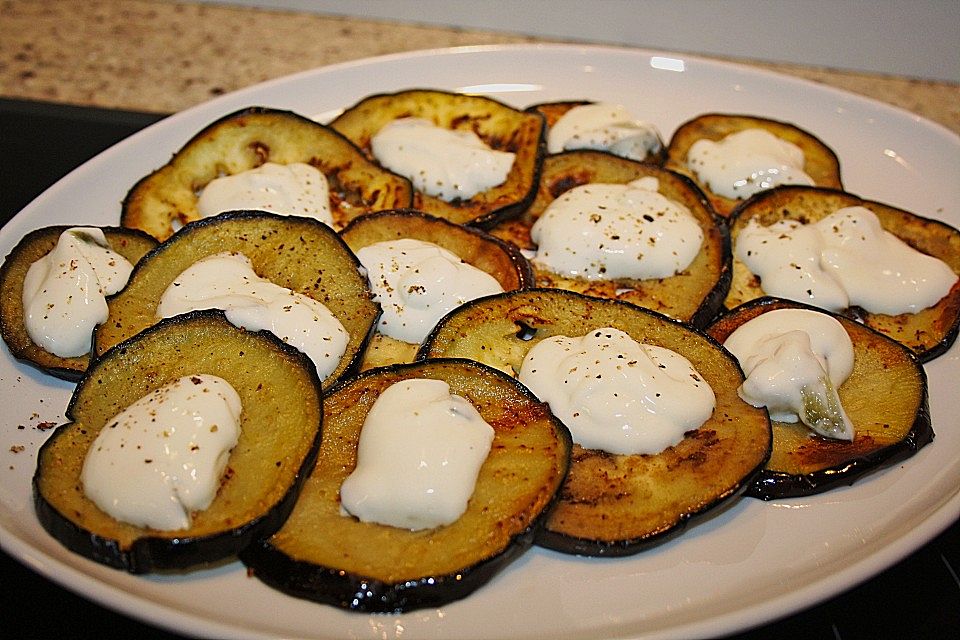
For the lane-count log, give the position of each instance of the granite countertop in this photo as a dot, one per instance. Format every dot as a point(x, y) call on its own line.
point(156, 56)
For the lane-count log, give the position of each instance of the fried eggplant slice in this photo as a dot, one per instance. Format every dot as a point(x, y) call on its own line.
point(499, 126)
point(929, 332)
point(165, 200)
point(301, 254)
point(500, 259)
point(282, 410)
point(616, 505)
point(820, 161)
point(323, 555)
point(694, 295)
point(885, 398)
point(130, 243)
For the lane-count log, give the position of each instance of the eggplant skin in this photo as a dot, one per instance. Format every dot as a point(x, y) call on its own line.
point(132, 244)
point(165, 199)
point(280, 436)
point(886, 398)
point(321, 555)
point(820, 161)
point(618, 505)
point(498, 125)
point(930, 332)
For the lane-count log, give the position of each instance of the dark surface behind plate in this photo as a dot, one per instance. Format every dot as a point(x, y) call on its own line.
point(917, 598)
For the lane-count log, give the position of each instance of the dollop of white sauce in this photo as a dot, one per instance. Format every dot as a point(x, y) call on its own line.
point(64, 292)
point(163, 457)
point(844, 259)
point(444, 163)
point(604, 127)
point(747, 162)
point(785, 353)
point(617, 394)
point(228, 282)
point(417, 283)
point(420, 452)
point(296, 189)
point(608, 231)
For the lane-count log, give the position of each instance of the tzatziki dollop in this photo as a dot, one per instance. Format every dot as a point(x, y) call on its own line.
point(228, 282)
point(747, 162)
point(162, 458)
point(64, 292)
point(794, 361)
point(617, 394)
point(419, 455)
point(608, 231)
point(445, 163)
point(295, 189)
point(417, 283)
point(604, 127)
point(842, 260)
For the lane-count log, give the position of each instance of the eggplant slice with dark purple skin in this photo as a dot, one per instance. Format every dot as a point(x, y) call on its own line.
point(820, 161)
point(500, 259)
point(282, 410)
point(929, 332)
point(499, 126)
point(301, 254)
point(323, 555)
point(617, 505)
point(885, 398)
point(130, 243)
point(166, 199)
point(694, 295)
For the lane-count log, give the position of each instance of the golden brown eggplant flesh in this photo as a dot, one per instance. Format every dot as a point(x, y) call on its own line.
point(929, 332)
point(616, 505)
point(301, 254)
point(499, 126)
point(885, 398)
point(166, 199)
point(694, 295)
point(820, 161)
point(130, 243)
point(491, 255)
point(322, 555)
point(280, 423)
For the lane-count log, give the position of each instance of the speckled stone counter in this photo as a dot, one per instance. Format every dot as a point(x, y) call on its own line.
point(162, 57)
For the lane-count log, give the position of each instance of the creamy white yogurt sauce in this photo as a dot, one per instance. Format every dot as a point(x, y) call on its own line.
point(417, 283)
point(842, 260)
point(163, 457)
point(608, 231)
point(64, 292)
point(617, 394)
point(444, 163)
point(747, 162)
point(605, 127)
point(420, 452)
point(794, 361)
point(296, 189)
point(227, 281)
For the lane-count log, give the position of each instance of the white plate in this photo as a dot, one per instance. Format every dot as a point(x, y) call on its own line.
point(750, 563)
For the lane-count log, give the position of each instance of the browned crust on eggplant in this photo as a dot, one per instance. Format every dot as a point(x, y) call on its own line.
point(301, 254)
point(616, 505)
point(500, 126)
point(695, 295)
point(166, 199)
point(553, 111)
point(280, 436)
point(930, 332)
point(325, 556)
point(820, 161)
point(130, 243)
point(885, 397)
